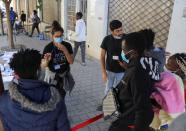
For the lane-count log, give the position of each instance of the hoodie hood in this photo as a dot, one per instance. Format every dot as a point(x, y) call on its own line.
point(34, 95)
point(34, 90)
point(151, 66)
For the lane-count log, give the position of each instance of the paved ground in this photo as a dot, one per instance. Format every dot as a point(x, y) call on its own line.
point(88, 92)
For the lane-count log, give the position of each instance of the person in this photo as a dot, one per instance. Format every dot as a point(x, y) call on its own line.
point(13, 16)
point(23, 18)
point(19, 27)
point(134, 96)
point(35, 23)
point(157, 53)
point(169, 94)
point(177, 64)
point(80, 31)
point(58, 55)
point(32, 104)
point(112, 71)
point(178, 124)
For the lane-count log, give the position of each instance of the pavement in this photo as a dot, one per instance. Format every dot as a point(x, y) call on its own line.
point(89, 88)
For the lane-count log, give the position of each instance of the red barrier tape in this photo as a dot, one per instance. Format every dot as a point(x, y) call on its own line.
point(87, 122)
point(92, 120)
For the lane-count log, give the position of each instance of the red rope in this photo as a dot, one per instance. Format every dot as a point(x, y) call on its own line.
point(92, 120)
point(87, 122)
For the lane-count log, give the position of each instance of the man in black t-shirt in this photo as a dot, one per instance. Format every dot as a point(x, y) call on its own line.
point(111, 47)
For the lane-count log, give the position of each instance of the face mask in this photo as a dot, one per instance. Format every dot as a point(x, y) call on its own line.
point(58, 39)
point(117, 37)
point(124, 58)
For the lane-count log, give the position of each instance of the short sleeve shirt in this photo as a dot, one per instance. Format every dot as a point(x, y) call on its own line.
point(113, 48)
point(58, 63)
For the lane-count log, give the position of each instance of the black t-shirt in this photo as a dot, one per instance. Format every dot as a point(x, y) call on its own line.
point(58, 63)
point(23, 17)
point(113, 49)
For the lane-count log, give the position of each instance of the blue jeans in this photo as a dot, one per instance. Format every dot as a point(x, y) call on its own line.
point(112, 80)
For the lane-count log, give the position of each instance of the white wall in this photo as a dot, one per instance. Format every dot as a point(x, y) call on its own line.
point(64, 16)
point(97, 16)
point(177, 34)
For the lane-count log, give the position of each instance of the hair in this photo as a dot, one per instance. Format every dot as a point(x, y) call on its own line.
point(115, 24)
point(26, 63)
point(35, 12)
point(181, 61)
point(56, 27)
point(79, 14)
point(11, 8)
point(135, 41)
point(149, 36)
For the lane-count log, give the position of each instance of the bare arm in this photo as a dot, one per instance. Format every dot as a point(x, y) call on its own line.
point(69, 57)
point(102, 60)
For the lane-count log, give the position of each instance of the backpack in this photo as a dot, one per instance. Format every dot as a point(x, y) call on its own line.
point(111, 104)
point(36, 19)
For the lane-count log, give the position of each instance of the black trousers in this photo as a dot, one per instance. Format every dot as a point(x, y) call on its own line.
point(35, 25)
point(142, 123)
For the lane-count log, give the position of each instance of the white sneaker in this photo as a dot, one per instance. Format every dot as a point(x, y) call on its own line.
point(83, 64)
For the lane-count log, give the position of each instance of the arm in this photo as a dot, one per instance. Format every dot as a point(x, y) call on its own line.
point(102, 60)
point(46, 57)
point(78, 28)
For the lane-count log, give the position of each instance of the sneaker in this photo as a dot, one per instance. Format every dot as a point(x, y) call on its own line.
point(83, 64)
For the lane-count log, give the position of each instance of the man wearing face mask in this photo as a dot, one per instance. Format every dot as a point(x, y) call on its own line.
point(112, 71)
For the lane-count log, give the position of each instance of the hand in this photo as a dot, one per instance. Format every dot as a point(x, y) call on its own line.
point(123, 64)
point(104, 77)
point(48, 56)
point(60, 47)
point(46, 60)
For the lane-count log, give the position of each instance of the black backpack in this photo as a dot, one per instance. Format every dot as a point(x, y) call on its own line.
point(36, 20)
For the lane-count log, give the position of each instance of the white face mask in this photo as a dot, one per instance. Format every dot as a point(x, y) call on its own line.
point(117, 37)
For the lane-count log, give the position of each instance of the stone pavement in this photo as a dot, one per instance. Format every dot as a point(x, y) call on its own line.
point(89, 89)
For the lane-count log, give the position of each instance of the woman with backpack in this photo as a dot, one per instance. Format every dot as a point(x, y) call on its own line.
point(35, 23)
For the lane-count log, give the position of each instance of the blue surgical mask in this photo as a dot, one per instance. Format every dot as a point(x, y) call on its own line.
point(58, 39)
point(124, 58)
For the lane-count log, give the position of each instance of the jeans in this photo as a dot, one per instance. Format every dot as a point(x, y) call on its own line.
point(12, 23)
point(112, 80)
point(83, 48)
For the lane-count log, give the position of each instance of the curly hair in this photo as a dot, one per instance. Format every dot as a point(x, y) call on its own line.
point(181, 61)
point(149, 36)
point(26, 63)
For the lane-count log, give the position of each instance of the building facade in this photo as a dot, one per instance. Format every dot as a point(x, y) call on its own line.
point(165, 17)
